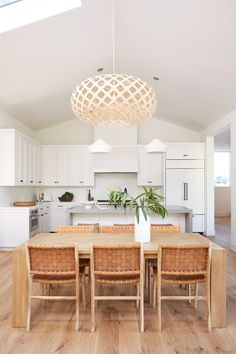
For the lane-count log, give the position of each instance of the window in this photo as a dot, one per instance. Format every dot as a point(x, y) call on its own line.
point(222, 169)
point(7, 2)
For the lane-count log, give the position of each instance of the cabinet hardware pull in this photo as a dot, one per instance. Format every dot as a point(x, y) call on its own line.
point(186, 191)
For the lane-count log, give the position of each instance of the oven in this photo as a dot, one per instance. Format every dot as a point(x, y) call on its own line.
point(33, 222)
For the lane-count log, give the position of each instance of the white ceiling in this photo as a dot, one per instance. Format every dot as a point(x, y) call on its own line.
point(189, 44)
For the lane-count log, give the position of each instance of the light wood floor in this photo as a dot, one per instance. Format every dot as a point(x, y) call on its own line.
point(184, 328)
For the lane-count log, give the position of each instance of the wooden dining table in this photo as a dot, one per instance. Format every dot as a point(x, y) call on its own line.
point(84, 241)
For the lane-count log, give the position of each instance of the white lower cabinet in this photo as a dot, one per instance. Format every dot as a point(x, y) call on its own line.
point(59, 215)
point(185, 187)
point(45, 218)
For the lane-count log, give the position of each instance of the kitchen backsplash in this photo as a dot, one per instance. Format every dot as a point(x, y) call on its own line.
point(103, 182)
point(8, 195)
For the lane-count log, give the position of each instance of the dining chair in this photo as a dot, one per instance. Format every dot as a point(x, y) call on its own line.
point(157, 228)
point(106, 229)
point(86, 228)
point(117, 265)
point(48, 265)
point(120, 228)
point(183, 265)
point(81, 228)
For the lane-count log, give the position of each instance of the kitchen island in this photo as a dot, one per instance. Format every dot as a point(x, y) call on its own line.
point(108, 215)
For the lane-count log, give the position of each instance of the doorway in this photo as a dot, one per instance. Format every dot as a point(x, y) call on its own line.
point(222, 162)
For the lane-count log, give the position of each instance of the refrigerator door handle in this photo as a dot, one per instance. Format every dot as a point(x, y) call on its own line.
point(186, 191)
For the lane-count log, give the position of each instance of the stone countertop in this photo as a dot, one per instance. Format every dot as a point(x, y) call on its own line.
point(172, 209)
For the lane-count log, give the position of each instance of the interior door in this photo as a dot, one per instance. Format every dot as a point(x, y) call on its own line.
point(175, 188)
point(195, 190)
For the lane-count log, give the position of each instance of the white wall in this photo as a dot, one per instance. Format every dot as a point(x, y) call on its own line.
point(76, 132)
point(222, 201)
point(8, 195)
point(229, 121)
point(165, 131)
point(8, 122)
point(70, 132)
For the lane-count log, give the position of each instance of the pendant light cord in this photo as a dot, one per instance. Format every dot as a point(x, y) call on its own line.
point(113, 38)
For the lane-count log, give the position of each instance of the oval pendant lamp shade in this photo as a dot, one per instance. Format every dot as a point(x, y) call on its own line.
point(156, 145)
point(100, 146)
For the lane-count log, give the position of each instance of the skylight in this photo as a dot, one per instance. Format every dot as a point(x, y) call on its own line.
point(24, 12)
point(7, 2)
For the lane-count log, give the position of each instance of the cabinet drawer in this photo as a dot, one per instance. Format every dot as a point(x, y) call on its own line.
point(185, 152)
point(198, 223)
point(185, 163)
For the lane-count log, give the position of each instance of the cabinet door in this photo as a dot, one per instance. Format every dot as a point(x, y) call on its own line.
point(87, 167)
point(195, 190)
point(175, 179)
point(38, 165)
point(59, 216)
point(156, 169)
point(75, 168)
point(143, 167)
point(63, 165)
point(194, 152)
point(198, 223)
point(21, 160)
point(50, 166)
point(32, 162)
point(175, 152)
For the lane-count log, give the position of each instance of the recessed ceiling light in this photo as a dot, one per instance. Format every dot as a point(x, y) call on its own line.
point(155, 78)
point(99, 70)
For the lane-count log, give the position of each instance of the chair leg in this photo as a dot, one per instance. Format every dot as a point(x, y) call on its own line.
point(77, 306)
point(146, 274)
point(190, 292)
point(29, 307)
point(159, 305)
point(83, 290)
point(196, 294)
point(92, 305)
point(154, 296)
point(137, 294)
point(208, 305)
point(141, 307)
point(150, 272)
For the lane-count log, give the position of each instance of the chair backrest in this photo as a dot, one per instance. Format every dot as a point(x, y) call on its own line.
point(116, 260)
point(184, 260)
point(120, 228)
point(56, 260)
point(168, 228)
point(106, 228)
point(86, 228)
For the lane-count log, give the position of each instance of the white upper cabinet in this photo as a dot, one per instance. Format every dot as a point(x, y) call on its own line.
point(18, 156)
point(194, 151)
point(150, 168)
point(67, 166)
point(81, 166)
point(55, 165)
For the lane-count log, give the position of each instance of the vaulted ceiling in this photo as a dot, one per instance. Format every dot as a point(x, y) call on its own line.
point(190, 45)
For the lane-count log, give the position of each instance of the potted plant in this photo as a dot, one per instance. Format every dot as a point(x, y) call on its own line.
point(145, 203)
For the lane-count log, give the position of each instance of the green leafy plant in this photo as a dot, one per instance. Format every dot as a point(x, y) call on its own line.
point(148, 202)
point(66, 197)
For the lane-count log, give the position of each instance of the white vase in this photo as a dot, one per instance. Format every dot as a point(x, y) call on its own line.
point(142, 229)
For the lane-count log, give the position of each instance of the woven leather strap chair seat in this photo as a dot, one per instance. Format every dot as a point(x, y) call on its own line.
point(183, 265)
point(53, 265)
point(117, 228)
point(118, 264)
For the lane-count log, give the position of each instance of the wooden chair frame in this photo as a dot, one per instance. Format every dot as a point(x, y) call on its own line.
point(158, 280)
point(86, 228)
point(139, 297)
point(49, 296)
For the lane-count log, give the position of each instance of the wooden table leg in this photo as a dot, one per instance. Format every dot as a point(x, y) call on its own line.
point(218, 288)
point(19, 288)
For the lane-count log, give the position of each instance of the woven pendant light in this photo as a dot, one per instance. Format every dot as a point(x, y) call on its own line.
point(113, 99)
